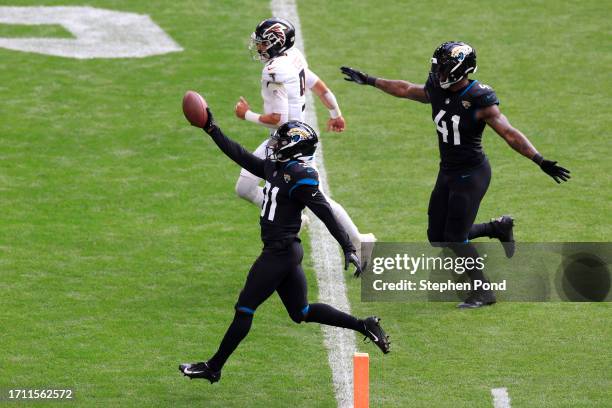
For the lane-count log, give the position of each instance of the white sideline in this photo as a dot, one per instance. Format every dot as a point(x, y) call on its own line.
point(501, 399)
point(340, 343)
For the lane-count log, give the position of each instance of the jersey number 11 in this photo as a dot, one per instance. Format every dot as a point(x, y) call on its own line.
point(269, 196)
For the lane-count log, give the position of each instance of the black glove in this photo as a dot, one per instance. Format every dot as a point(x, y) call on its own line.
point(358, 77)
point(550, 167)
point(210, 125)
point(351, 258)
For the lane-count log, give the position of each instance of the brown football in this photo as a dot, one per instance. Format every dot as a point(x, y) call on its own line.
point(194, 108)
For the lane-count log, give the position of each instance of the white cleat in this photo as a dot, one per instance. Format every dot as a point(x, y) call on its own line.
point(365, 246)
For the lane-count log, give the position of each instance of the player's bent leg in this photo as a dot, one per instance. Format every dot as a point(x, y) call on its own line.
point(463, 203)
point(501, 228)
point(236, 332)
point(437, 211)
point(370, 327)
point(262, 280)
point(247, 188)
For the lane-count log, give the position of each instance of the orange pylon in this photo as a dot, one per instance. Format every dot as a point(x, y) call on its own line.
point(361, 380)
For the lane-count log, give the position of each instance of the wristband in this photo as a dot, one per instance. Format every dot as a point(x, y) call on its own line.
point(537, 159)
point(335, 113)
point(252, 117)
point(370, 80)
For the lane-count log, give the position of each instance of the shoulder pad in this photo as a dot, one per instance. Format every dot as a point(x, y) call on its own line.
point(277, 70)
point(483, 95)
point(296, 171)
point(429, 84)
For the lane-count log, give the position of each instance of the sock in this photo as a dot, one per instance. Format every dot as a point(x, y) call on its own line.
point(328, 315)
point(481, 230)
point(237, 331)
point(345, 220)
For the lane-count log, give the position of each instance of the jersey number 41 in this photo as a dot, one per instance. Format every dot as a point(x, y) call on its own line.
point(442, 128)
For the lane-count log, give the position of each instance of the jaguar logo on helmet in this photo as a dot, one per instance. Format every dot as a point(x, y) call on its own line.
point(461, 51)
point(297, 134)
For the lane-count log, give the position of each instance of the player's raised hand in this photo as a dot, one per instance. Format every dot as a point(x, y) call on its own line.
point(361, 78)
point(242, 106)
point(352, 258)
point(336, 124)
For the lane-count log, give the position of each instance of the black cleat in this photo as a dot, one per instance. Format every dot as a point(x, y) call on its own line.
point(200, 370)
point(478, 299)
point(376, 334)
point(502, 230)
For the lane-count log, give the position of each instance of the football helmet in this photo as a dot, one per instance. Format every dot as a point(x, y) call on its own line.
point(292, 140)
point(272, 37)
point(451, 62)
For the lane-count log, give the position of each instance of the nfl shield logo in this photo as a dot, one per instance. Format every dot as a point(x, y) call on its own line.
point(466, 104)
point(287, 177)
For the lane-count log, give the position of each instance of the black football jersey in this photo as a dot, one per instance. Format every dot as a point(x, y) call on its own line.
point(459, 132)
point(289, 188)
point(281, 213)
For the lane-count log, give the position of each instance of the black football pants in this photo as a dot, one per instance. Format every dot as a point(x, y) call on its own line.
point(453, 206)
point(279, 269)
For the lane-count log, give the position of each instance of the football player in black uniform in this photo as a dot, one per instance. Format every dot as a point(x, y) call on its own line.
point(291, 184)
point(461, 108)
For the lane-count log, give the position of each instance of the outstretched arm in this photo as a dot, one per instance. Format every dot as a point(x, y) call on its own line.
point(519, 142)
point(399, 88)
point(312, 198)
point(234, 150)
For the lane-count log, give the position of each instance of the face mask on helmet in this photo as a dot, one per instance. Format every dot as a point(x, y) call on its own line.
point(293, 140)
point(271, 38)
point(451, 63)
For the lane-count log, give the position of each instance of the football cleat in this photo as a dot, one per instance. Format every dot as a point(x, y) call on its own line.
point(200, 370)
point(502, 230)
point(376, 334)
point(478, 299)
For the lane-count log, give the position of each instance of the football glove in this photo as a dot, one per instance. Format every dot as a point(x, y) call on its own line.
point(352, 258)
point(361, 78)
point(550, 167)
point(210, 125)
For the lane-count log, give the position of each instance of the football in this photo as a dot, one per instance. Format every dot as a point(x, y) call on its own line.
point(194, 109)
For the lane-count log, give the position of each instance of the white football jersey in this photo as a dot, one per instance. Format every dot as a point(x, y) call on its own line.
point(284, 81)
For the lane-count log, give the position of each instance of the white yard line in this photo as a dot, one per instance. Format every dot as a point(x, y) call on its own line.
point(501, 399)
point(328, 263)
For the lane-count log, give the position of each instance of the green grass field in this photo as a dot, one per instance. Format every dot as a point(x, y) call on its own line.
point(123, 246)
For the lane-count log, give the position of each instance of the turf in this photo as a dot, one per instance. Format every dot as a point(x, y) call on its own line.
point(123, 247)
point(384, 167)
